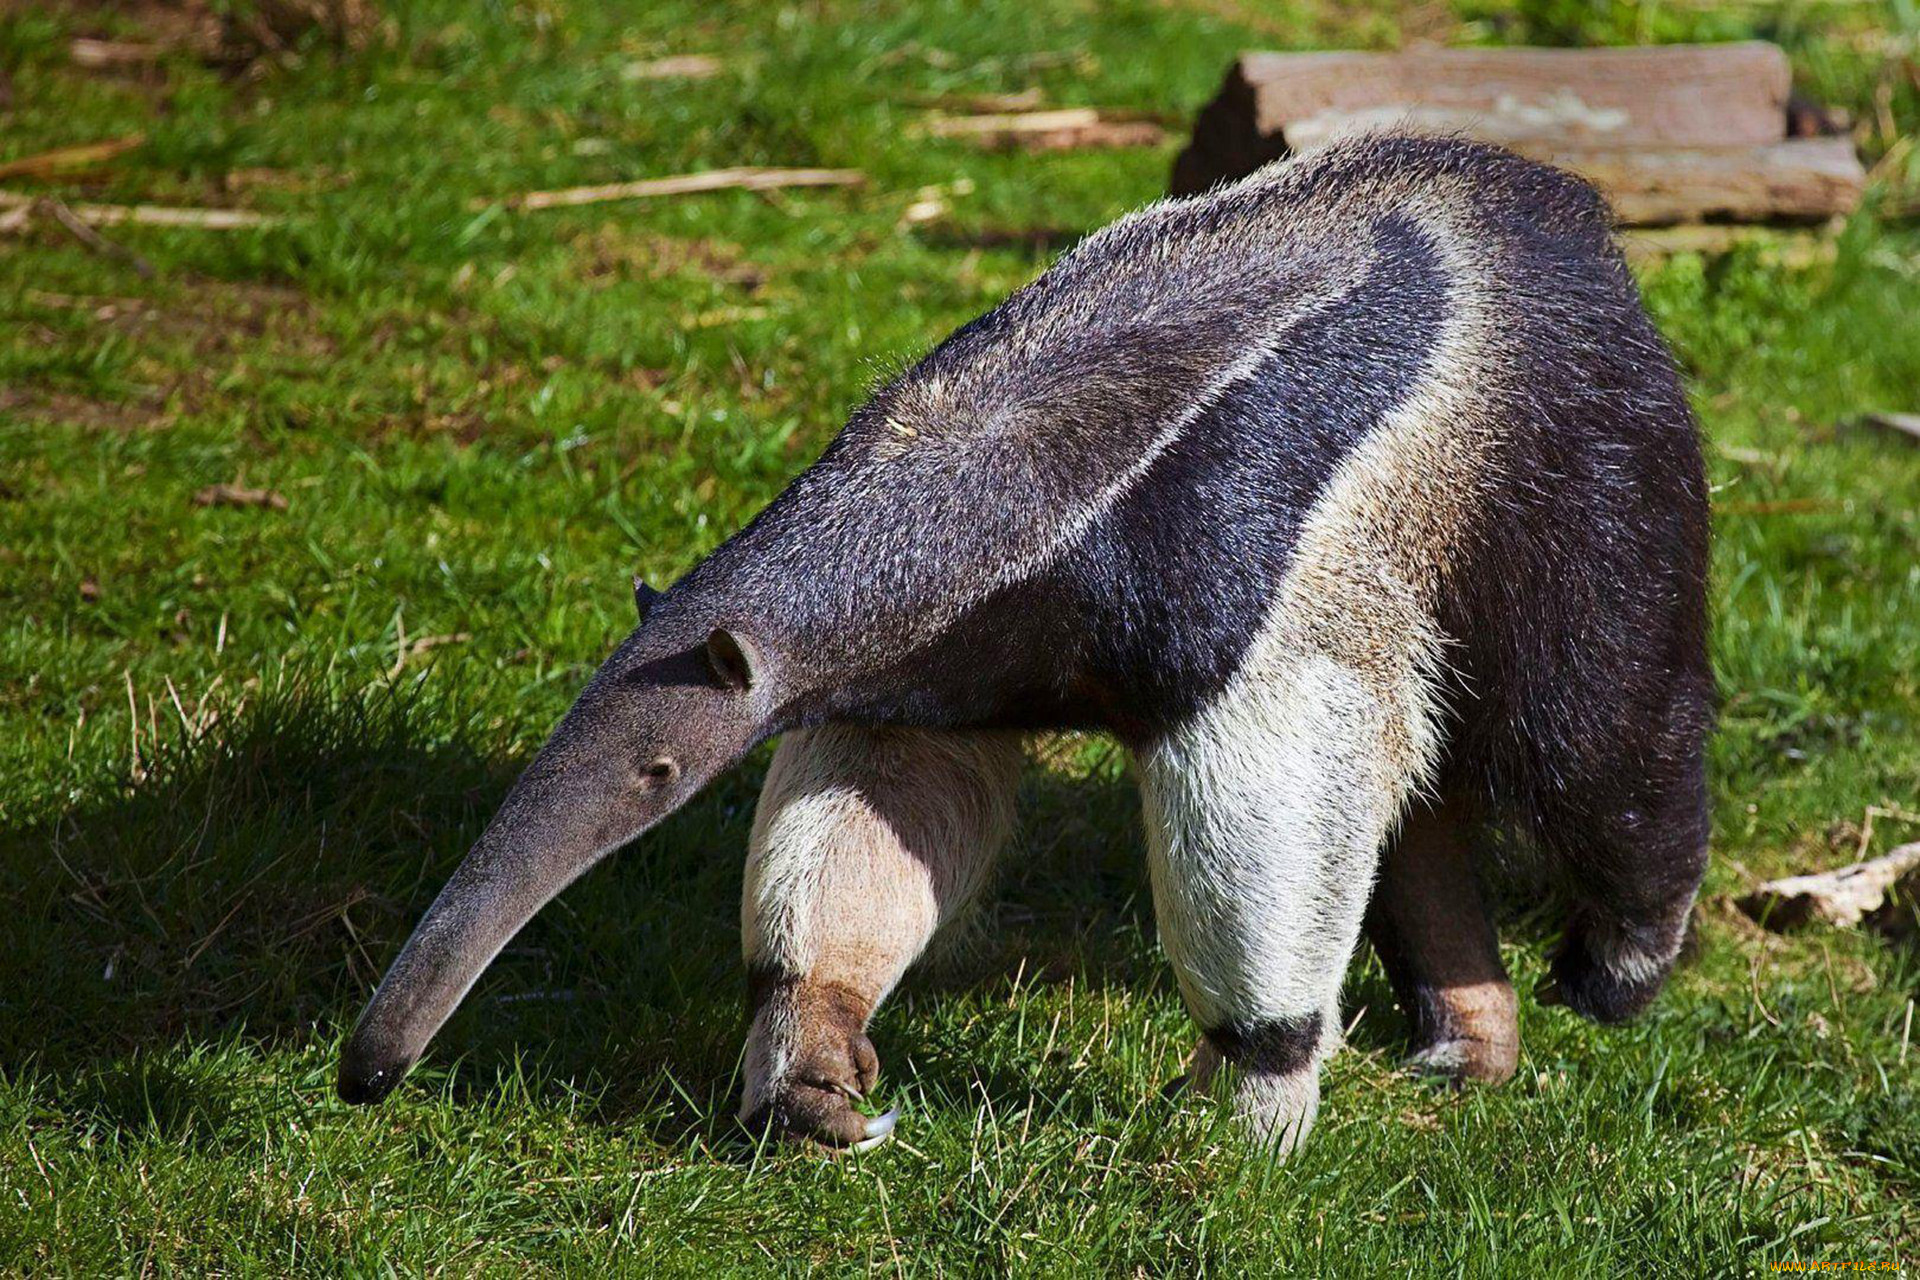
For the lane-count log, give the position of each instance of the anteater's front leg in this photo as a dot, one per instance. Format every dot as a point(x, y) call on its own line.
point(865, 843)
point(1265, 818)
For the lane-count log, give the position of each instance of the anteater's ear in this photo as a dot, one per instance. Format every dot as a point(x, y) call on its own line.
point(736, 663)
point(643, 597)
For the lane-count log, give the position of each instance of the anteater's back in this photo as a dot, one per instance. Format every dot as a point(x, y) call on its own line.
point(1397, 398)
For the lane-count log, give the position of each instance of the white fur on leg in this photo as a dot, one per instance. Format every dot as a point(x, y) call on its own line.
point(1265, 819)
point(866, 842)
point(1266, 814)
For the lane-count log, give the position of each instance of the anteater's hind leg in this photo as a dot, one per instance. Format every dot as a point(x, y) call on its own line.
point(1632, 838)
point(866, 841)
point(1432, 931)
point(1265, 818)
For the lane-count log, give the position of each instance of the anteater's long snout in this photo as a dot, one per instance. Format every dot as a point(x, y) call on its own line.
point(561, 818)
point(607, 774)
point(491, 896)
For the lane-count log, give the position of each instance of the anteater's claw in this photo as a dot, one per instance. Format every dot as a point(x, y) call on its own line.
point(879, 1129)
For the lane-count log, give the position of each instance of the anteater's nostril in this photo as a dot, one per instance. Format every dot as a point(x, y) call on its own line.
point(360, 1084)
point(361, 1089)
point(661, 772)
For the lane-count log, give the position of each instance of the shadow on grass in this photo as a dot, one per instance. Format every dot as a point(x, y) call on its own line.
point(255, 881)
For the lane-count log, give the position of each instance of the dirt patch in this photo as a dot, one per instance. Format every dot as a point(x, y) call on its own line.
point(237, 35)
point(612, 255)
point(228, 316)
point(66, 408)
point(215, 316)
point(183, 343)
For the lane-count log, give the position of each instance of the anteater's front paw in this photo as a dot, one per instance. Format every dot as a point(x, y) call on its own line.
point(804, 1113)
point(1275, 1109)
point(1462, 1060)
point(808, 1061)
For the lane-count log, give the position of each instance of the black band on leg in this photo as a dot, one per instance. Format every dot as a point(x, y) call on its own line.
point(1270, 1046)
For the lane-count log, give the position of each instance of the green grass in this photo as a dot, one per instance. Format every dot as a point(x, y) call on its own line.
point(226, 790)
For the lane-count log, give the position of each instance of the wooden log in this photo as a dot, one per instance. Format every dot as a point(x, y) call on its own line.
point(1800, 180)
point(1673, 133)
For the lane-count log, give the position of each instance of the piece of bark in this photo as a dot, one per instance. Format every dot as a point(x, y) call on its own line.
point(1903, 426)
point(233, 495)
point(64, 159)
point(1841, 897)
point(739, 179)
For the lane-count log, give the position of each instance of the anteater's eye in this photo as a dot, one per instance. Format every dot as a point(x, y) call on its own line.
point(660, 772)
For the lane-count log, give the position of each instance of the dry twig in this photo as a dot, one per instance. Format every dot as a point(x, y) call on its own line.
point(685, 66)
point(63, 159)
point(1069, 128)
point(233, 495)
point(86, 235)
point(410, 648)
point(741, 179)
point(17, 210)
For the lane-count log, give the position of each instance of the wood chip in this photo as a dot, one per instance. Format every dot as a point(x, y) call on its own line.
point(738, 179)
point(65, 159)
point(107, 55)
point(685, 66)
point(233, 495)
point(1842, 897)
point(1025, 100)
point(1012, 122)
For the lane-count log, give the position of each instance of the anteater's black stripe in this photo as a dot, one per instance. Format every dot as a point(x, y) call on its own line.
point(1146, 618)
point(1272, 1046)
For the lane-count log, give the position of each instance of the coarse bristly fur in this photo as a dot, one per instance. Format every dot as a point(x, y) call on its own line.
point(1359, 499)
